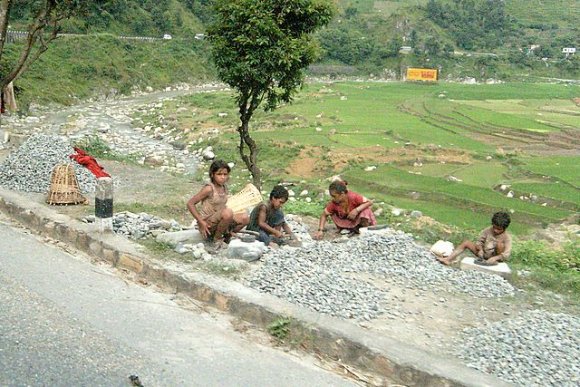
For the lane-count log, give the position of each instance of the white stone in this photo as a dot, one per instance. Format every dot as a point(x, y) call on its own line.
point(318, 129)
point(510, 194)
point(416, 214)
point(343, 98)
point(208, 155)
point(181, 249)
point(231, 165)
point(221, 115)
point(396, 211)
point(304, 193)
point(442, 248)
point(291, 193)
point(370, 168)
point(246, 251)
point(173, 238)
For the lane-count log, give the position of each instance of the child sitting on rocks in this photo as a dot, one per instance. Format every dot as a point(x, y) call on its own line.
point(494, 244)
point(347, 209)
point(215, 221)
point(268, 219)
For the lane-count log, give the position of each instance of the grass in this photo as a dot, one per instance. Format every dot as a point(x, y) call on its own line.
point(96, 147)
point(280, 328)
point(566, 169)
point(343, 128)
point(162, 250)
point(558, 270)
point(79, 67)
point(222, 269)
point(367, 120)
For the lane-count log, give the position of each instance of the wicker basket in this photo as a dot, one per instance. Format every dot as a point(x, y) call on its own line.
point(249, 196)
point(64, 186)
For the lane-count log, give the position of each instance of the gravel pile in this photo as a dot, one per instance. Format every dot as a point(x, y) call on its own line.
point(325, 276)
point(29, 168)
point(535, 349)
point(142, 225)
point(138, 226)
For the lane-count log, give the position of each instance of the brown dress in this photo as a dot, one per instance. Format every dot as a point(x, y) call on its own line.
point(212, 206)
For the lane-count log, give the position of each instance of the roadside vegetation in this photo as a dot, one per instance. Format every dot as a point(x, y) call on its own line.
point(104, 66)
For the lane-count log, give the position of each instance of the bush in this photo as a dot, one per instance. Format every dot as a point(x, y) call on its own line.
point(558, 270)
point(536, 253)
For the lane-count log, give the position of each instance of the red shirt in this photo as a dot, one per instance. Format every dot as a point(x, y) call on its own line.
point(354, 200)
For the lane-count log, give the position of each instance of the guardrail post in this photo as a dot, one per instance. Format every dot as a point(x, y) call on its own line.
point(104, 204)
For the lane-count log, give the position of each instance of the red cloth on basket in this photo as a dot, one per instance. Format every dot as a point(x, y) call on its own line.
point(89, 162)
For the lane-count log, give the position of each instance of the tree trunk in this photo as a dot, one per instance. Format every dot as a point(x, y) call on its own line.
point(4, 13)
point(247, 105)
point(250, 160)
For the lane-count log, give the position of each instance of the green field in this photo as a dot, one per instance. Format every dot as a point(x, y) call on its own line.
point(442, 149)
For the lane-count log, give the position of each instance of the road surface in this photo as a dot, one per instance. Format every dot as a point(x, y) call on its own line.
point(67, 322)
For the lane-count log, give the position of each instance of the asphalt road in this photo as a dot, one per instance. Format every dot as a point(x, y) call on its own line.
point(67, 322)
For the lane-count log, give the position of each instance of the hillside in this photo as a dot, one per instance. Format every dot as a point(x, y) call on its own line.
point(179, 18)
point(493, 39)
point(364, 39)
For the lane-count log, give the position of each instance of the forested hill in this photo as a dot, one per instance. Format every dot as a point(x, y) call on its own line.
point(476, 38)
point(368, 34)
point(180, 18)
point(372, 30)
point(481, 39)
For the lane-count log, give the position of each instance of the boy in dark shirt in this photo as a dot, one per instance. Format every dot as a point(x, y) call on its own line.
point(268, 218)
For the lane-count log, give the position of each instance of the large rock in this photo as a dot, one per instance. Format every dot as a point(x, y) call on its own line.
point(174, 238)
point(442, 248)
point(248, 251)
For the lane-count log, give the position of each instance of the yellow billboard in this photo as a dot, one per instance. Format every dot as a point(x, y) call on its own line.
point(417, 74)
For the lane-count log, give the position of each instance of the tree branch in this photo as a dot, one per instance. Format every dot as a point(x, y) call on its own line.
point(35, 33)
point(5, 6)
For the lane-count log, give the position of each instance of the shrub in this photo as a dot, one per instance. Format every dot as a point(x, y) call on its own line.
point(536, 253)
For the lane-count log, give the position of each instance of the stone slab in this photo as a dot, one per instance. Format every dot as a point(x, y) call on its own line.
point(184, 236)
point(502, 269)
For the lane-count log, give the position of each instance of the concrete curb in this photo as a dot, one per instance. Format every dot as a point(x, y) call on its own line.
point(318, 333)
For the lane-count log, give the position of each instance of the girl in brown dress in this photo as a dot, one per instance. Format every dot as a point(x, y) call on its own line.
point(214, 220)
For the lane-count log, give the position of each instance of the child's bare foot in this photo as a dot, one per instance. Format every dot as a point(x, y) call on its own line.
point(216, 246)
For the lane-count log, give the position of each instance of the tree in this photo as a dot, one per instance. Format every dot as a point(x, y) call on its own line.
point(260, 49)
point(45, 17)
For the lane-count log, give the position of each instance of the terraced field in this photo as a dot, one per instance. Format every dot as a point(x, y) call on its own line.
point(455, 152)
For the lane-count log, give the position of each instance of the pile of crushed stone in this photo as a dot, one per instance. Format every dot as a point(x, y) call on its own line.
point(326, 276)
point(29, 168)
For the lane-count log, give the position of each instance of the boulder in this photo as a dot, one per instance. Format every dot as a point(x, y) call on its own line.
point(251, 251)
point(174, 238)
point(442, 248)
